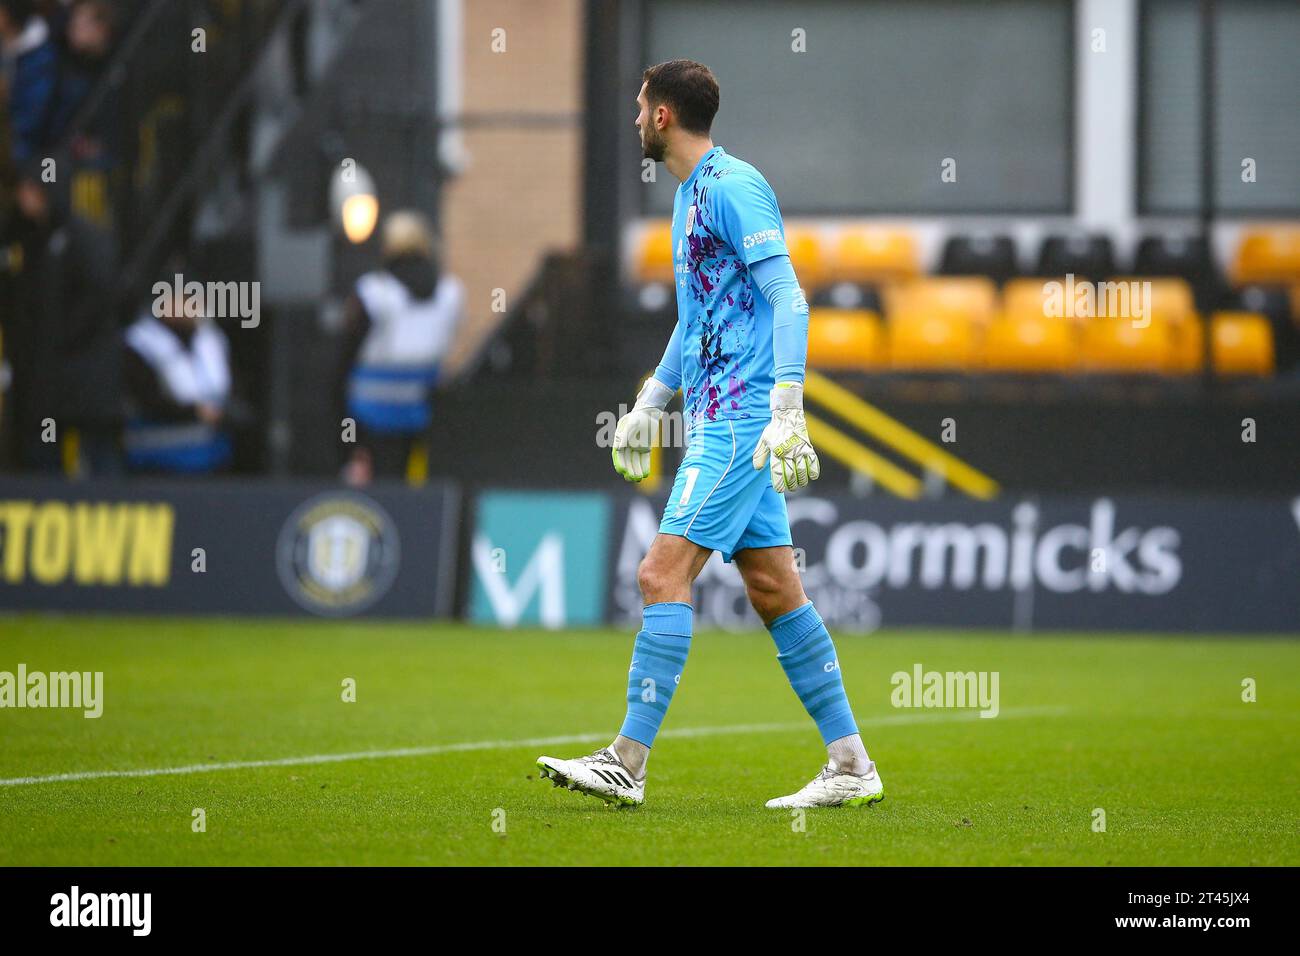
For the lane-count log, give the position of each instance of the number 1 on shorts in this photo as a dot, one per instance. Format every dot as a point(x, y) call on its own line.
point(692, 475)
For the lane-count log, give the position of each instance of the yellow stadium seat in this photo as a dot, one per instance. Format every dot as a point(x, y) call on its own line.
point(874, 254)
point(1187, 346)
point(1270, 255)
point(1034, 296)
point(930, 341)
point(1241, 343)
point(806, 255)
point(1023, 296)
point(1029, 343)
point(1115, 345)
point(653, 261)
point(845, 339)
point(1171, 298)
point(654, 254)
point(973, 298)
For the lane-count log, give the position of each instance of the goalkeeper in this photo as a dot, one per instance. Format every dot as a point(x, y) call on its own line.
point(737, 353)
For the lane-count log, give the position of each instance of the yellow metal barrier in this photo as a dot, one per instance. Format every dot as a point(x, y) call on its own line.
point(854, 455)
point(830, 441)
point(898, 436)
point(417, 464)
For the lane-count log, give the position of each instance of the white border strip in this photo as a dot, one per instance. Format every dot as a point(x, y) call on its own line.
point(468, 746)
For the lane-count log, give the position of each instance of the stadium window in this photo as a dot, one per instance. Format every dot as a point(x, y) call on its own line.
point(862, 121)
point(1256, 116)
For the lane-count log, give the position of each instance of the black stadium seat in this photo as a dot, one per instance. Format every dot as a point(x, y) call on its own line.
point(1186, 257)
point(1089, 256)
point(1274, 303)
point(979, 255)
point(848, 295)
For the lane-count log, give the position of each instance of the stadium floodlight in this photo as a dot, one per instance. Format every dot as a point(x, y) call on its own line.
point(353, 202)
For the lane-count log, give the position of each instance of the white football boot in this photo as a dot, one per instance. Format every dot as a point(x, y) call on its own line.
point(601, 774)
point(836, 788)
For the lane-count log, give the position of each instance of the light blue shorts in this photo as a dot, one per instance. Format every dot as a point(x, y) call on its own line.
point(719, 499)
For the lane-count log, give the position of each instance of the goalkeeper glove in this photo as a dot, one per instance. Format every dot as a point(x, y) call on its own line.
point(785, 439)
point(635, 431)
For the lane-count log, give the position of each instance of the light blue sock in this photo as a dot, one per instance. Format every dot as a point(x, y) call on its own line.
point(658, 657)
point(807, 655)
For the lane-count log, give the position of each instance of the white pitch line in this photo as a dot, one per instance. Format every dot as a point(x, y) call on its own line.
point(436, 749)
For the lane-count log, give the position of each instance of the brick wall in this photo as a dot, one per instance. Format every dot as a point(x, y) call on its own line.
point(519, 194)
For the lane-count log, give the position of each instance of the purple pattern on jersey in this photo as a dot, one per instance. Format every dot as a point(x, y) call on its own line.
point(710, 262)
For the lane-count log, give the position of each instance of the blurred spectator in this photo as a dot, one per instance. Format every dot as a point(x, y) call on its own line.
point(31, 355)
point(88, 46)
point(55, 13)
point(30, 68)
point(399, 325)
point(61, 334)
point(179, 385)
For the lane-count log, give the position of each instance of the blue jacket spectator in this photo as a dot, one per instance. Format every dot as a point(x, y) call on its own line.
point(87, 39)
point(30, 66)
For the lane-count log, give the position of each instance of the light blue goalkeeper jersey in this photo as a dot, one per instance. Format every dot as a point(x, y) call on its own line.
point(725, 219)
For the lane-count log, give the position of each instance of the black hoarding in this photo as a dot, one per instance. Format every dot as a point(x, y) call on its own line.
point(1023, 563)
point(227, 547)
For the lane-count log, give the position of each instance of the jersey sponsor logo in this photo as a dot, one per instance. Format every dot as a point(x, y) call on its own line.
point(690, 220)
point(758, 238)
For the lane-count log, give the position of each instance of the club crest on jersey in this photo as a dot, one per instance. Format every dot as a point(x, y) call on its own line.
point(690, 219)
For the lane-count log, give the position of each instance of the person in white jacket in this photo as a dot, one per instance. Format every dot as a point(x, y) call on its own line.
point(399, 325)
point(178, 379)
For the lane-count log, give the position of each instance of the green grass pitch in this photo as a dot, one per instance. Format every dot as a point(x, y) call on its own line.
point(1153, 731)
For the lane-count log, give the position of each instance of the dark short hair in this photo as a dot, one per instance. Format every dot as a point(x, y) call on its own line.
point(689, 88)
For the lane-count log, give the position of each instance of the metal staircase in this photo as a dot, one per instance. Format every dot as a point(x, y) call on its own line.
point(204, 94)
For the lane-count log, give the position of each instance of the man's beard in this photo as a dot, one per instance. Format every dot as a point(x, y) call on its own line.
point(653, 145)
